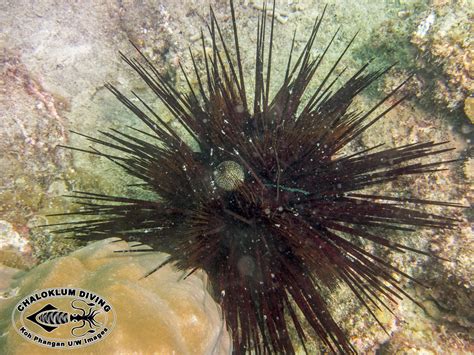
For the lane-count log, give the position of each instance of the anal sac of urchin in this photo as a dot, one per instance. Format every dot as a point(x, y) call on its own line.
point(267, 206)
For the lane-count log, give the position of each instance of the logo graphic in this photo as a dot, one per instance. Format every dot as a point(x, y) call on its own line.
point(63, 318)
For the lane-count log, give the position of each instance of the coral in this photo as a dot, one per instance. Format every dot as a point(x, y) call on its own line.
point(444, 41)
point(32, 165)
point(30, 131)
point(434, 43)
point(161, 313)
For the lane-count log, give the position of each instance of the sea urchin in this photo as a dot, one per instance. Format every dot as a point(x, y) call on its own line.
point(266, 204)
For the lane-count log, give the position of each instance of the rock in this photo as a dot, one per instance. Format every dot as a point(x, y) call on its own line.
point(469, 108)
point(15, 250)
point(162, 313)
point(445, 51)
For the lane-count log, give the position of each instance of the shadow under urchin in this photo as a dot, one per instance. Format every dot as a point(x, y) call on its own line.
point(267, 205)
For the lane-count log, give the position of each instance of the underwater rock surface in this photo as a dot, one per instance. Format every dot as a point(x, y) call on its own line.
point(161, 313)
point(55, 60)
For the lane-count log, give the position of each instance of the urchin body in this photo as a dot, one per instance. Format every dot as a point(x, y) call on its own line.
point(266, 204)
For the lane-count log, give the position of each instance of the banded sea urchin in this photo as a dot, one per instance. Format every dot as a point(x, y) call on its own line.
point(267, 205)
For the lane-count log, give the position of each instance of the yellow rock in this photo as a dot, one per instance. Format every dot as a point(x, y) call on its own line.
point(159, 314)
